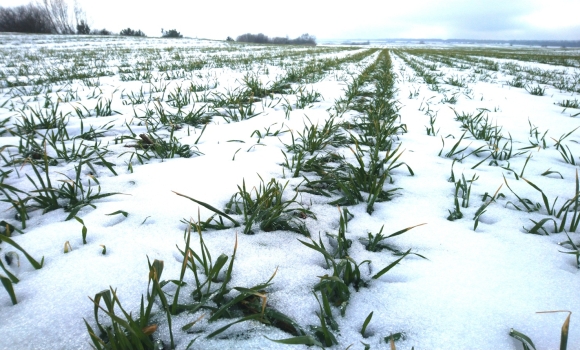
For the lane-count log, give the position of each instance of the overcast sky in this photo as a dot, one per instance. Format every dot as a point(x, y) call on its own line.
point(444, 19)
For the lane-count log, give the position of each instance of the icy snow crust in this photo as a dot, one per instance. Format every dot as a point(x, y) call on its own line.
point(474, 287)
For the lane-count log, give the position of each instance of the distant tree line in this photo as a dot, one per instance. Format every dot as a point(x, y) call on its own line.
point(356, 42)
point(171, 33)
point(131, 32)
point(304, 39)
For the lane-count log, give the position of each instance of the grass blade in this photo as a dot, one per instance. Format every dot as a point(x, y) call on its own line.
point(205, 205)
point(365, 324)
point(8, 286)
point(391, 265)
point(302, 340)
point(33, 262)
point(243, 319)
point(526, 341)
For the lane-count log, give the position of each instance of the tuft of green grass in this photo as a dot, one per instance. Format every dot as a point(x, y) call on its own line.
point(263, 207)
point(517, 82)
point(374, 242)
point(431, 128)
point(482, 209)
point(536, 90)
point(306, 98)
point(313, 138)
point(267, 207)
point(569, 104)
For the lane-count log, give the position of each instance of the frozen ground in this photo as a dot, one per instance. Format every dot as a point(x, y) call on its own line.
point(474, 286)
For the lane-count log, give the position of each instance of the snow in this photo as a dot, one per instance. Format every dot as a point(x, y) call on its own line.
point(473, 288)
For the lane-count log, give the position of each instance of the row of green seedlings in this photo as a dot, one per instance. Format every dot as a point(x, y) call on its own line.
point(525, 77)
point(425, 69)
point(444, 59)
point(26, 96)
point(570, 103)
point(425, 107)
point(238, 104)
point(433, 80)
point(480, 69)
point(265, 209)
point(186, 106)
point(313, 72)
point(52, 119)
point(562, 80)
point(498, 149)
point(82, 65)
point(532, 55)
point(44, 141)
point(453, 59)
point(34, 92)
point(182, 65)
point(44, 130)
point(456, 61)
point(277, 56)
point(462, 61)
point(57, 74)
point(480, 128)
point(428, 58)
point(37, 75)
point(72, 195)
point(370, 139)
point(210, 297)
point(309, 71)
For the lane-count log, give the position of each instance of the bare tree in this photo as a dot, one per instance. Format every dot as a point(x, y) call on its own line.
point(59, 15)
point(81, 20)
point(44, 16)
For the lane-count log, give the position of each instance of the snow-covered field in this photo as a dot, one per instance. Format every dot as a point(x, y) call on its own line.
point(111, 146)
